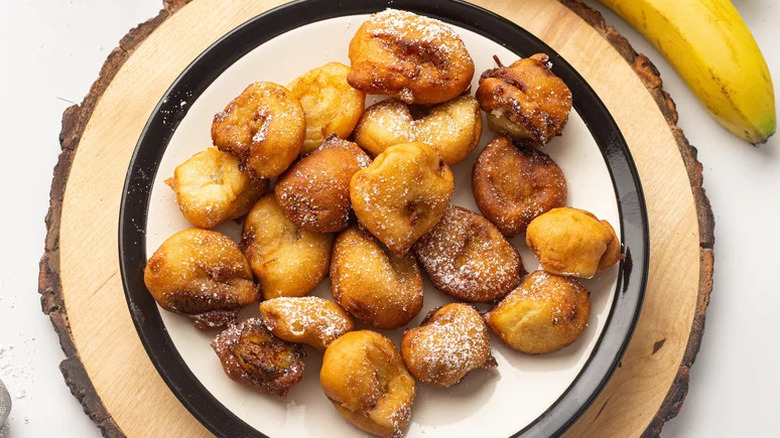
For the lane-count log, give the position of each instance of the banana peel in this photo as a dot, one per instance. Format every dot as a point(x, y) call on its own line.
point(712, 49)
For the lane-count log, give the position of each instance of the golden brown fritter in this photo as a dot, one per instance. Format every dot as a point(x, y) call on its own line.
point(252, 356)
point(513, 184)
point(264, 127)
point(414, 58)
point(201, 274)
point(312, 321)
point(331, 105)
point(452, 128)
point(467, 257)
point(452, 341)
point(363, 375)
point(372, 284)
point(546, 313)
point(525, 100)
point(402, 194)
point(570, 241)
point(210, 188)
point(287, 260)
point(314, 192)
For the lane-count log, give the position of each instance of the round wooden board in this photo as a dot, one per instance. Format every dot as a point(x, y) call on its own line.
point(106, 366)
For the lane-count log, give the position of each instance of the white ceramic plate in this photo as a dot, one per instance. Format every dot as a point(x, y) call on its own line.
point(502, 401)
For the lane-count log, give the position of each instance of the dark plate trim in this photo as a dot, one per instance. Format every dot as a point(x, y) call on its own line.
point(201, 73)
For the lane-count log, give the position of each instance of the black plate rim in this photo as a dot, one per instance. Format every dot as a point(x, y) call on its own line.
point(632, 278)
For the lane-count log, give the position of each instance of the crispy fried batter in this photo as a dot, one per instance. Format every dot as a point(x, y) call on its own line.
point(525, 100)
point(452, 341)
point(467, 257)
point(252, 356)
point(201, 274)
point(372, 284)
point(452, 129)
point(546, 313)
point(287, 260)
point(570, 241)
point(402, 194)
point(312, 321)
point(513, 184)
point(414, 58)
point(363, 375)
point(331, 105)
point(210, 188)
point(314, 192)
point(264, 127)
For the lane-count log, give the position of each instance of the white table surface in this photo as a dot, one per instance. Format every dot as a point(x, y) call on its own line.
point(52, 52)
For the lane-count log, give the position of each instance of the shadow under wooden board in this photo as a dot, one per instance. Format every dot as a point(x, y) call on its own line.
point(107, 367)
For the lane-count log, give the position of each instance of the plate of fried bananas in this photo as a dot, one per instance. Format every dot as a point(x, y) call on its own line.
point(391, 218)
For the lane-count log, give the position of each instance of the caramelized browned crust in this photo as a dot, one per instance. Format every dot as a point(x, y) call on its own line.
point(452, 341)
point(414, 58)
point(264, 127)
point(402, 194)
point(452, 128)
point(201, 274)
point(252, 356)
point(467, 257)
point(314, 192)
point(312, 321)
point(570, 241)
point(363, 375)
point(514, 184)
point(546, 313)
point(372, 284)
point(525, 100)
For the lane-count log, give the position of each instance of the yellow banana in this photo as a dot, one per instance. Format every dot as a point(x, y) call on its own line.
point(714, 52)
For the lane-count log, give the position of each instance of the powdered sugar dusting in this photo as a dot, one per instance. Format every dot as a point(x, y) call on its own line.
point(466, 256)
point(262, 131)
point(309, 320)
point(452, 343)
point(314, 192)
point(403, 24)
point(415, 58)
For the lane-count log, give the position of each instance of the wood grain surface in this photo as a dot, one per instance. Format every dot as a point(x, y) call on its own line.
point(107, 368)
